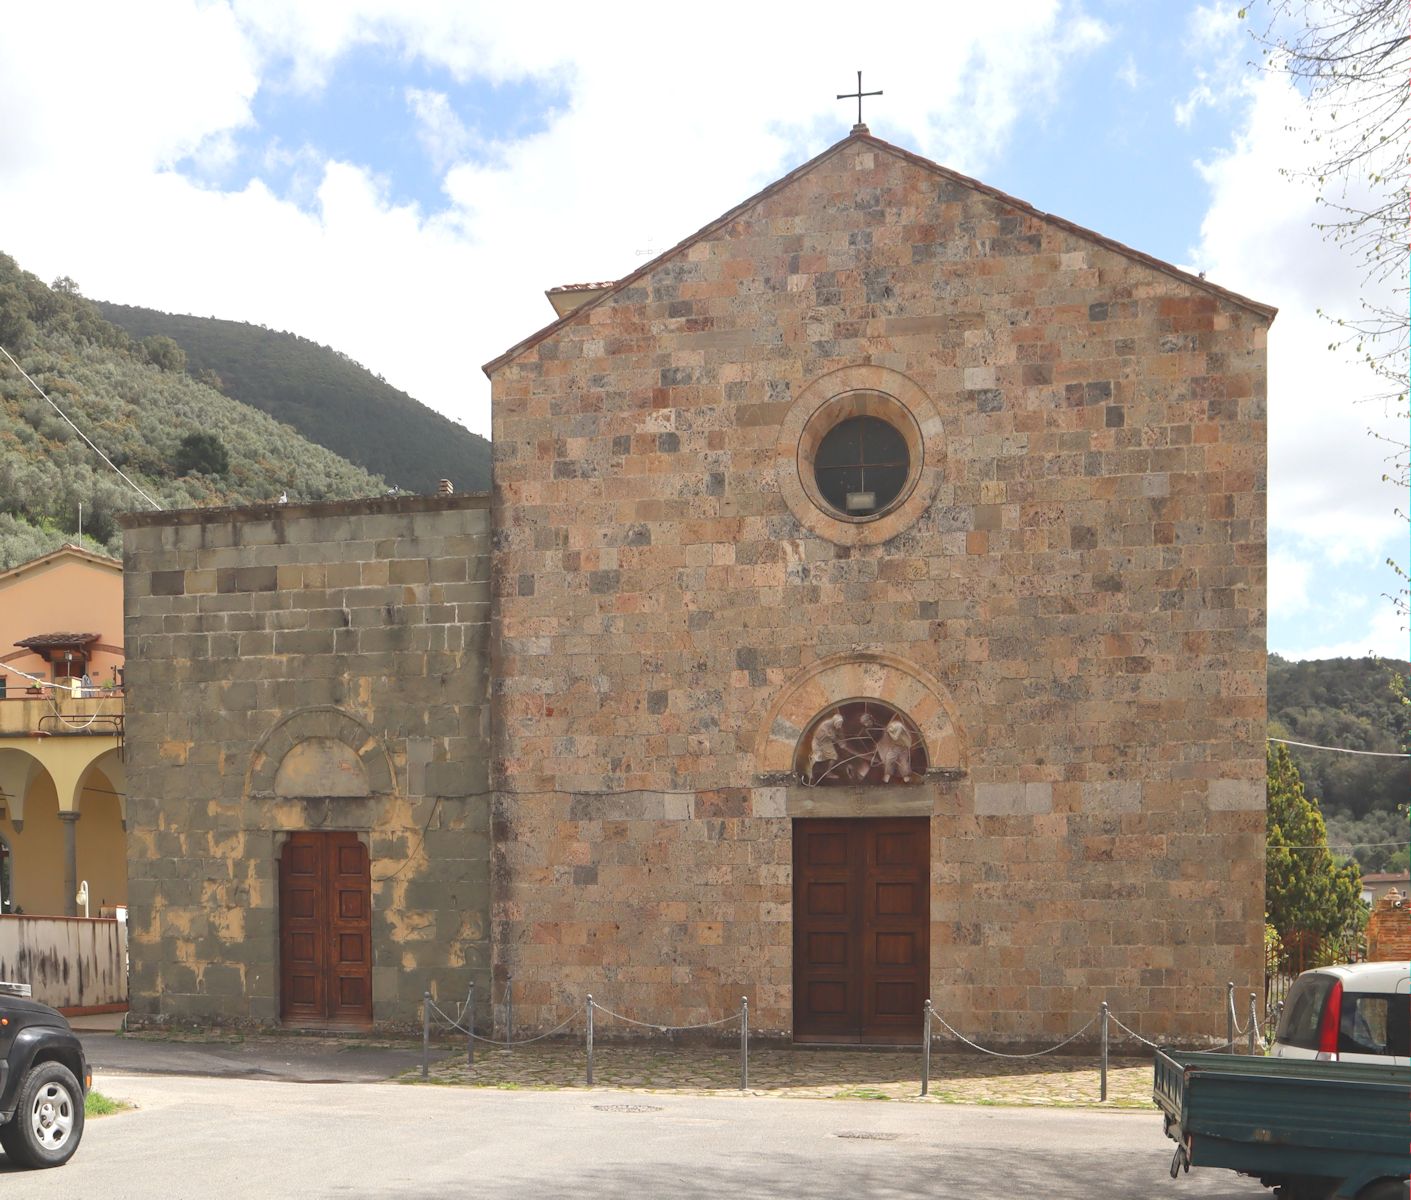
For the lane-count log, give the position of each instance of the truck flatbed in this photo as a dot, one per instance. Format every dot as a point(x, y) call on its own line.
point(1316, 1129)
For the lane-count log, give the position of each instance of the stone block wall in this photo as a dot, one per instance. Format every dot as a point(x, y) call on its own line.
point(1074, 595)
point(306, 667)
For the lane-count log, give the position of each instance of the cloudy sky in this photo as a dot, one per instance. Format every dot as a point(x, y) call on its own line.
point(403, 180)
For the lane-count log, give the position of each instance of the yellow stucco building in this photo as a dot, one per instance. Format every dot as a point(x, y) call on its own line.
point(62, 809)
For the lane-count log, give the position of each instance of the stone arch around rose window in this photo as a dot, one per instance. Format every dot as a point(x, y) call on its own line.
point(292, 752)
point(854, 677)
point(867, 391)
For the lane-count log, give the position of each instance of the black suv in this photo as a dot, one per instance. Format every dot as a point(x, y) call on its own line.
point(44, 1077)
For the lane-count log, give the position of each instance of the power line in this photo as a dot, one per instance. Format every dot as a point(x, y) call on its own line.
point(1343, 846)
point(77, 430)
point(34, 679)
point(1340, 749)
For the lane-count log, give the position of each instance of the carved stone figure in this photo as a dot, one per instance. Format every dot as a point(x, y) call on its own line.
point(894, 751)
point(824, 747)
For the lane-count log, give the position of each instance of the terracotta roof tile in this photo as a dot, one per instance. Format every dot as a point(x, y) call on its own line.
point(58, 641)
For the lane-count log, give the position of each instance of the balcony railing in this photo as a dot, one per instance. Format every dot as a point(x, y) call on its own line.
point(24, 714)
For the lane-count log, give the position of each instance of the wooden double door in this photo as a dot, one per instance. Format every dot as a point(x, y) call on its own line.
point(325, 930)
point(862, 929)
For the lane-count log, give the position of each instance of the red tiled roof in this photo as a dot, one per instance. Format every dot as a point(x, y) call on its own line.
point(58, 641)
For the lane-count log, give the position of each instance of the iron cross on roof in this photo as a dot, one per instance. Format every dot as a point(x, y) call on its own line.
point(858, 95)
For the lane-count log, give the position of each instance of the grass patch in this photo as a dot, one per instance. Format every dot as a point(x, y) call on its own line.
point(95, 1104)
point(861, 1093)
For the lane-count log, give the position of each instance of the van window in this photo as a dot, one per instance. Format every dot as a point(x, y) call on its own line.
point(1302, 1011)
point(1373, 1023)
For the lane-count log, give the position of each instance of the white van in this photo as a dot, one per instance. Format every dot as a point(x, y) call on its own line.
point(1355, 1013)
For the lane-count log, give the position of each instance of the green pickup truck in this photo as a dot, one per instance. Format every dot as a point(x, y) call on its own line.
point(1313, 1130)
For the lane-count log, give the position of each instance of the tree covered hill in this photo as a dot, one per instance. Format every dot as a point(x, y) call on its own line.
point(1349, 702)
point(325, 395)
point(181, 441)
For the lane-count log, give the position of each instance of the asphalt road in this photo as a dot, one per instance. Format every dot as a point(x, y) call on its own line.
point(304, 1060)
point(239, 1137)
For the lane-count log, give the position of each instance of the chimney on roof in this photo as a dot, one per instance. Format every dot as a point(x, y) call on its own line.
point(444, 488)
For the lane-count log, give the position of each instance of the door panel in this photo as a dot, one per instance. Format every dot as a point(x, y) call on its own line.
point(302, 953)
point(897, 862)
point(861, 929)
point(325, 930)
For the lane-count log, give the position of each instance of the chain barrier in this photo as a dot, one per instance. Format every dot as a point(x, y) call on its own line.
point(466, 1012)
point(453, 1023)
point(734, 1016)
point(1000, 1053)
point(1104, 1015)
point(1131, 1032)
point(1240, 1031)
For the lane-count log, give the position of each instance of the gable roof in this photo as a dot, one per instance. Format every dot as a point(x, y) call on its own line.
point(861, 135)
point(64, 551)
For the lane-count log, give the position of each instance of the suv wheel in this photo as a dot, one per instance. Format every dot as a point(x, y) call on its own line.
point(48, 1121)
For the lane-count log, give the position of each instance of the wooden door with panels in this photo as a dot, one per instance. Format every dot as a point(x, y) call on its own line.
point(325, 930)
point(862, 929)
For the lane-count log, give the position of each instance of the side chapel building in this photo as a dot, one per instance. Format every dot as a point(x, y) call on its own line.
point(870, 607)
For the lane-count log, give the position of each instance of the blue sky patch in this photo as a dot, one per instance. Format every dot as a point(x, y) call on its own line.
point(399, 119)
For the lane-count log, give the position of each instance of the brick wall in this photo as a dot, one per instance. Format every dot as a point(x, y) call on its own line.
point(1389, 929)
point(1074, 597)
point(275, 653)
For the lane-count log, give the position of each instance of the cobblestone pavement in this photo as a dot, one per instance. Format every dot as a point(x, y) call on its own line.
point(851, 1074)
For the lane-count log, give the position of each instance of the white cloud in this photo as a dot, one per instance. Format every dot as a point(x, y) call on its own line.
point(667, 120)
point(1217, 38)
point(1128, 74)
point(1383, 634)
point(1200, 96)
point(439, 130)
point(1288, 582)
point(1212, 26)
point(1332, 518)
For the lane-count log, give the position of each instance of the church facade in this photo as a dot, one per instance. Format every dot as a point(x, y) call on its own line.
point(878, 615)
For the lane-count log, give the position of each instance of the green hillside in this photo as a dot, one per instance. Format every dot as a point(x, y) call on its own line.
point(180, 441)
point(1349, 702)
point(325, 395)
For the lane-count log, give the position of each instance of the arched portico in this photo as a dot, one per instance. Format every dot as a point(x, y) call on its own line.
point(48, 785)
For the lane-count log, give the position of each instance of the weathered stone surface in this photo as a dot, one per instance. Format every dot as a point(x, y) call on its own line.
point(1080, 602)
point(297, 719)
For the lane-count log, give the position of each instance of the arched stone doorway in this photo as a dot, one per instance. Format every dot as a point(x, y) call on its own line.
point(861, 884)
point(329, 778)
point(865, 745)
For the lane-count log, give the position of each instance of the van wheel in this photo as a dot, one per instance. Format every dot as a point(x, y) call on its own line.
point(1386, 1189)
point(48, 1120)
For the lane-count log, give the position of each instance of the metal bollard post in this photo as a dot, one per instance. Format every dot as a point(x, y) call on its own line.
point(1230, 1017)
point(470, 1026)
point(926, 1048)
point(509, 1015)
point(1253, 1025)
point(425, 1033)
point(744, 1043)
point(590, 1040)
point(1103, 1094)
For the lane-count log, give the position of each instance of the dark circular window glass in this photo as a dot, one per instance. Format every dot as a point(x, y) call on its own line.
point(861, 466)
